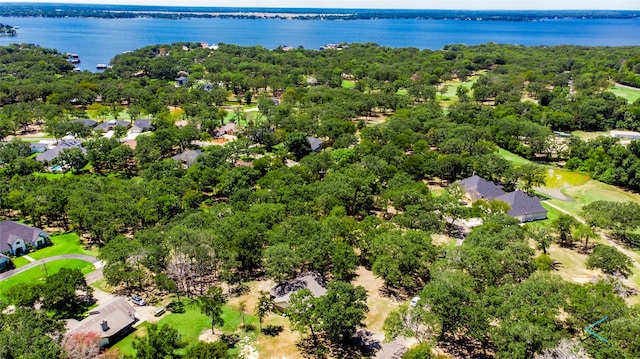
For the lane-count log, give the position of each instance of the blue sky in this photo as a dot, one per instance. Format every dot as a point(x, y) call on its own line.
point(382, 4)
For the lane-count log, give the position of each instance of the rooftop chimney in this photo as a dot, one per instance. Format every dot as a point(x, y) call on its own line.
point(104, 325)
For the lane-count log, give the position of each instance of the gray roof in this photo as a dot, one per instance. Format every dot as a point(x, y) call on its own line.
point(521, 204)
point(109, 125)
point(310, 280)
point(187, 157)
point(226, 129)
point(479, 188)
point(10, 231)
point(55, 152)
point(142, 124)
point(316, 143)
point(87, 122)
point(118, 314)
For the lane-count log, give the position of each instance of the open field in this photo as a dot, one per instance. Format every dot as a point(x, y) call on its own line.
point(63, 244)
point(192, 323)
point(450, 97)
point(572, 266)
point(348, 84)
point(39, 273)
point(587, 136)
point(590, 192)
point(512, 157)
point(628, 93)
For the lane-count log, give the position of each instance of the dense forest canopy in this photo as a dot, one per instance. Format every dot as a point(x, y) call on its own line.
point(269, 205)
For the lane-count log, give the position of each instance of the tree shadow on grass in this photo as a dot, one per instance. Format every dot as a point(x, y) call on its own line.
point(363, 344)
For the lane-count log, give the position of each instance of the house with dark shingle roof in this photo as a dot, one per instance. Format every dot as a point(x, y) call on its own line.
point(316, 143)
point(5, 263)
point(281, 293)
point(523, 207)
point(16, 238)
point(476, 188)
point(86, 122)
point(55, 152)
point(141, 125)
point(187, 157)
point(112, 321)
point(111, 124)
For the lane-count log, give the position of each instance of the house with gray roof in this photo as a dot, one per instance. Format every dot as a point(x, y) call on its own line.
point(228, 129)
point(476, 188)
point(111, 124)
point(52, 153)
point(523, 207)
point(187, 157)
point(86, 122)
point(281, 293)
point(316, 143)
point(112, 321)
point(16, 238)
point(141, 125)
point(5, 263)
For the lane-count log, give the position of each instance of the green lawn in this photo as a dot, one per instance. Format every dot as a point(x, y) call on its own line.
point(190, 325)
point(63, 244)
point(348, 84)
point(590, 192)
point(53, 176)
point(38, 273)
point(629, 94)
point(587, 136)
point(512, 157)
point(451, 95)
point(20, 261)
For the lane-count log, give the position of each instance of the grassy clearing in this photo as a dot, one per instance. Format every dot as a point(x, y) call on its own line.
point(125, 346)
point(191, 324)
point(20, 262)
point(572, 264)
point(379, 306)
point(53, 176)
point(587, 136)
point(348, 84)
point(103, 286)
point(63, 244)
point(512, 157)
point(628, 93)
point(39, 273)
point(450, 97)
point(590, 192)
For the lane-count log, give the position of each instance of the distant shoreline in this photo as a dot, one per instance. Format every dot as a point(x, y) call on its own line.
point(177, 12)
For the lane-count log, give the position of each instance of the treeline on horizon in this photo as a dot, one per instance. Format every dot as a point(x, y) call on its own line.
point(178, 12)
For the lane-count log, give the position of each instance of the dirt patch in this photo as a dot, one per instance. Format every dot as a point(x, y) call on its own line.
point(379, 306)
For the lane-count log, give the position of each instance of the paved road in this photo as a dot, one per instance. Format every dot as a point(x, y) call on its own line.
point(82, 257)
point(629, 253)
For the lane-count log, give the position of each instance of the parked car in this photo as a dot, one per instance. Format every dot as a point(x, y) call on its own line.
point(137, 300)
point(414, 301)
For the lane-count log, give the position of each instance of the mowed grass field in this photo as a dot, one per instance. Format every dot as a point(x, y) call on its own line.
point(590, 192)
point(191, 324)
point(39, 273)
point(628, 93)
point(68, 243)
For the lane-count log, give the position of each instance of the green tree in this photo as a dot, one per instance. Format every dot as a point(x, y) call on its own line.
point(30, 334)
point(265, 306)
point(211, 305)
point(202, 350)
point(159, 343)
point(564, 225)
point(610, 260)
point(298, 144)
point(73, 158)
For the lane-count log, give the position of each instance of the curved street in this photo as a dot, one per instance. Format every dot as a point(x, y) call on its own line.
point(91, 277)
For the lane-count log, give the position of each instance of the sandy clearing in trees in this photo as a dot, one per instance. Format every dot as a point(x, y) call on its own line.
point(379, 306)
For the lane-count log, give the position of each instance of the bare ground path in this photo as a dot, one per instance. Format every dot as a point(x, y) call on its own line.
point(634, 256)
point(82, 257)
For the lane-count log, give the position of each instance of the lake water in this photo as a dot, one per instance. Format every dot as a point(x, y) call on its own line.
point(98, 40)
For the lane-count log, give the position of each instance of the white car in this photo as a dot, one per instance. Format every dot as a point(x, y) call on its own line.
point(414, 301)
